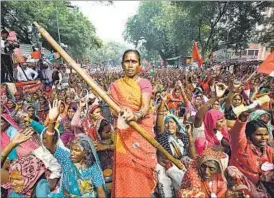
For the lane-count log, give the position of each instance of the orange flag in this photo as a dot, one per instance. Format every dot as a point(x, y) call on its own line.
point(267, 67)
point(195, 54)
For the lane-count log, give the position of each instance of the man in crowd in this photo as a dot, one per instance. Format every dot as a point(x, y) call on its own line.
point(25, 73)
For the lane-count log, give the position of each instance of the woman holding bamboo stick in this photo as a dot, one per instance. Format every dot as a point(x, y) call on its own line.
point(134, 159)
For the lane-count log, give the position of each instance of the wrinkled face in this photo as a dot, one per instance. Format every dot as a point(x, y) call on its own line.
point(96, 113)
point(171, 126)
point(4, 124)
point(106, 133)
point(30, 111)
point(265, 118)
point(216, 105)
point(77, 153)
point(237, 101)
point(10, 104)
point(131, 64)
point(209, 169)
point(221, 123)
point(71, 113)
point(260, 137)
point(17, 181)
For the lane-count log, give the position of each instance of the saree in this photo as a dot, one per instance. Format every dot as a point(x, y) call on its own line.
point(134, 157)
point(192, 184)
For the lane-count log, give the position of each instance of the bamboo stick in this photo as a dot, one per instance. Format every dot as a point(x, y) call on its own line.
point(97, 89)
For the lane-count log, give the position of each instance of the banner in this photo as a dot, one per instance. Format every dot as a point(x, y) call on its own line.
point(29, 86)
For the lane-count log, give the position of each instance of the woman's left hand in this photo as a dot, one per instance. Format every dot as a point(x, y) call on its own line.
point(128, 114)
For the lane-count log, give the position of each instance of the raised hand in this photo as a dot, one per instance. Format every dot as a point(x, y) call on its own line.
point(244, 116)
point(54, 110)
point(23, 136)
point(220, 89)
point(82, 103)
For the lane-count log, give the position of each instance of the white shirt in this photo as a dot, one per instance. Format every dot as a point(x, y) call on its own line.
point(28, 71)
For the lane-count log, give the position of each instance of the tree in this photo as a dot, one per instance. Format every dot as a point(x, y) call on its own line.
point(109, 54)
point(171, 27)
point(75, 29)
point(142, 26)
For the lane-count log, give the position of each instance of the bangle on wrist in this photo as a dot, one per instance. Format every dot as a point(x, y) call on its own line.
point(50, 133)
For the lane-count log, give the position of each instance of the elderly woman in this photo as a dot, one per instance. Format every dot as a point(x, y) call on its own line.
point(205, 176)
point(82, 175)
point(250, 151)
point(179, 143)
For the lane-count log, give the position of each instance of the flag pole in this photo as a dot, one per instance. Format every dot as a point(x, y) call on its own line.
point(97, 89)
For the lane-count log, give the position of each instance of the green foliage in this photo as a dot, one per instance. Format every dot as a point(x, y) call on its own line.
point(109, 53)
point(171, 27)
point(76, 30)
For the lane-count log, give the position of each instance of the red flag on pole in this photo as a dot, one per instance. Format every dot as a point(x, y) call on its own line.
point(267, 67)
point(195, 54)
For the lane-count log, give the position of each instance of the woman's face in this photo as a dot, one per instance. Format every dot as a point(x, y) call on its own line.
point(10, 104)
point(17, 181)
point(96, 113)
point(106, 133)
point(221, 123)
point(171, 126)
point(260, 137)
point(76, 153)
point(30, 111)
point(265, 118)
point(71, 113)
point(62, 108)
point(237, 101)
point(209, 169)
point(198, 101)
point(131, 64)
point(68, 101)
point(177, 93)
point(216, 105)
point(39, 92)
point(42, 100)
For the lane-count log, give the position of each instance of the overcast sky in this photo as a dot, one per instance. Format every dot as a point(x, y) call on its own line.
point(109, 20)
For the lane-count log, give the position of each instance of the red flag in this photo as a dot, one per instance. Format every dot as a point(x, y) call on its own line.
point(195, 54)
point(267, 67)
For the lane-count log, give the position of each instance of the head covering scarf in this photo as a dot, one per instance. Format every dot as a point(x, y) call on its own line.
point(242, 184)
point(255, 115)
point(10, 109)
point(178, 146)
point(192, 182)
point(210, 120)
point(90, 157)
point(91, 126)
point(31, 169)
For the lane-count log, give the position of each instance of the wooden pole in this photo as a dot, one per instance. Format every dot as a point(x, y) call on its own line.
point(97, 89)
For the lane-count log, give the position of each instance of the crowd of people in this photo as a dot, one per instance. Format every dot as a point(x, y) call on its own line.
point(65, 141)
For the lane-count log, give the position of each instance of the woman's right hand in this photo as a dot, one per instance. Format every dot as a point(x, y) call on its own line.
point(243, 116)
point(23, 136)
point(54, 110)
